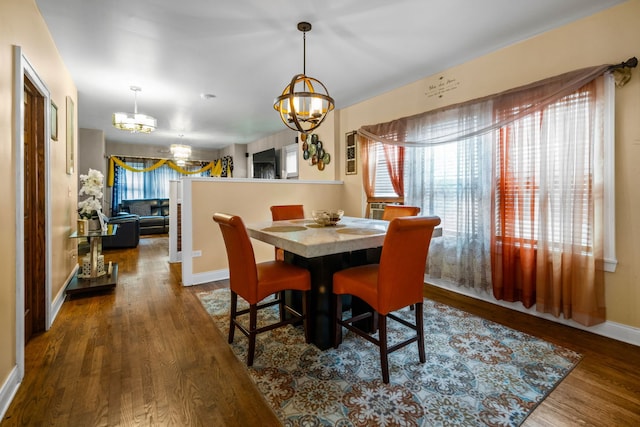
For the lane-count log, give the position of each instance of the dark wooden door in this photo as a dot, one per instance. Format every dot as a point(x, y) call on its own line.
point(34, 211)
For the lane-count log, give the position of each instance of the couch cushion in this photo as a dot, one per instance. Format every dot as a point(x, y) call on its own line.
point(156, 210)
point(141, 209)
point(152, 230)
point(153, 213)
point(150, 221)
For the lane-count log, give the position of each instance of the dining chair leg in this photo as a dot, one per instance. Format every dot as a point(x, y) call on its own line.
point(384, 354)
point(253, 321)
point(420, 331)
point(337, 318)
point(281, 305)
point(305, 316)
point(232, 320)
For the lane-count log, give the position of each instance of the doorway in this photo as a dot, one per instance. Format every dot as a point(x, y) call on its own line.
point(34, 210)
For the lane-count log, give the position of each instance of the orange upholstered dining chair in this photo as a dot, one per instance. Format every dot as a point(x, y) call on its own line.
point(395, 211)
point(282, 213)
point(396, 282)
point(255, 281)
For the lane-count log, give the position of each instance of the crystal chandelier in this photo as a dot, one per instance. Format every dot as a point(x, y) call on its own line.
point(180, 152)
point(134, 122)
point(305, 101)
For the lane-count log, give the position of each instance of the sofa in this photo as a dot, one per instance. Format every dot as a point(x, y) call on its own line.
point(153, 214)
point(127, 235)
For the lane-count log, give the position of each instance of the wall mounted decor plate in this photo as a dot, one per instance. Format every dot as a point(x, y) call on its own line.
point(313, 150)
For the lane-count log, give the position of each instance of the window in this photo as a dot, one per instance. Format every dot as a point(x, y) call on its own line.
point(454, 180)
point(523, 183)
point(549, 164)
point(152, 184)
point(384, 188)
point(290, 161)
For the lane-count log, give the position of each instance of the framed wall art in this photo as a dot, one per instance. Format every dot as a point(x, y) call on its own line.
point(71, 134)
point(351, 154)
point(54, 121)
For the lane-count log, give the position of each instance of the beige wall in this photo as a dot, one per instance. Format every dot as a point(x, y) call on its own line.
point(251, 200)
point(21, 24)
point(91, 152)
point(611, 36)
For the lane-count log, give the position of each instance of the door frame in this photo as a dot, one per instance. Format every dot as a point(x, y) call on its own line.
point(23, 67)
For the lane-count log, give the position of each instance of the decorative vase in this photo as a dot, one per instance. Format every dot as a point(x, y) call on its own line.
point(94, 224)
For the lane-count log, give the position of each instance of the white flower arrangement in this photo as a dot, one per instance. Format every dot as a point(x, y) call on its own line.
point(91, 186)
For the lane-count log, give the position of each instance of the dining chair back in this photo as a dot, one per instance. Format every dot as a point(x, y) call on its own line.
point(255, 281)
point(396, 211)
point(282, 213)
point(396, 282)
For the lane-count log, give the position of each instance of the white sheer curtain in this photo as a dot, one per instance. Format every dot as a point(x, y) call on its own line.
point(147, 185)
point(453, 181)
point(151, 184)
point(518, 181)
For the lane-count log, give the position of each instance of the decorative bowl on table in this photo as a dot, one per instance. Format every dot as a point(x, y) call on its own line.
point(326, 217)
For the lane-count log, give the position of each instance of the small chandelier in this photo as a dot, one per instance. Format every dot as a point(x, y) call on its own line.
point(180, 152)
point(305, 101)
point(134, 122)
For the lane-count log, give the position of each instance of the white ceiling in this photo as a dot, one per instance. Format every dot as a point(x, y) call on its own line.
point(246, 51)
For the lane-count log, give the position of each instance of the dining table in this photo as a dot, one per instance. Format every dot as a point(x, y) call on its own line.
point(324, 250)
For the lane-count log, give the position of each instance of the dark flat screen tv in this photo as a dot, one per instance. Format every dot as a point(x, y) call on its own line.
point(266, 164)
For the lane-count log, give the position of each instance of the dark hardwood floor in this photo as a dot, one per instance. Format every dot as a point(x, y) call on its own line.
point(148, 354)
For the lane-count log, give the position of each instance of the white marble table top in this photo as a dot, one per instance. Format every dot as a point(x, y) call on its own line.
point(305, 238)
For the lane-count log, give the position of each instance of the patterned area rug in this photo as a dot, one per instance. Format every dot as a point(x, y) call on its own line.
point(477, 372)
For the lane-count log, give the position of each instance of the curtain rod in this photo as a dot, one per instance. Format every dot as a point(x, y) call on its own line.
point(106, 156)
point(629, 63)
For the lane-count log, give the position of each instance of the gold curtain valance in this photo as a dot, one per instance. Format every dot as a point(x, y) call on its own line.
point(215, 166)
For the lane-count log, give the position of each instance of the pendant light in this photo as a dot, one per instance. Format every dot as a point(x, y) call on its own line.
point(134, 122)
point(305, 101)
point(180, 151)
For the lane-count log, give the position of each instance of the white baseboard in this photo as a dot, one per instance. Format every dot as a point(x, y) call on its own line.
point(209, 276)
point(613, 330)
point(175, 258)
point(8, 390)
point(57, 302)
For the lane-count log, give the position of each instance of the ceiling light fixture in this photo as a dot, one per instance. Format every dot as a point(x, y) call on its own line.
point(134, 122)
point(305, 101)
point(180, 152)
